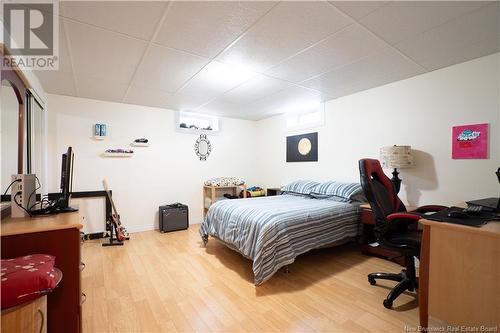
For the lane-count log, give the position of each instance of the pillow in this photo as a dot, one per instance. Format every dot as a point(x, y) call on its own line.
point(300, 187)
point(337, 191)
point(26, 278)
point(359, 197)
point(225, 181)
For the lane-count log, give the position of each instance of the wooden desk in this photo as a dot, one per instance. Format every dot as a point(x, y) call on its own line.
point(57, 235)
point(459, 280)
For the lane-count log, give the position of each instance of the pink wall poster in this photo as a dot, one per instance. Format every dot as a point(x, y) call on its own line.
point(470, 141)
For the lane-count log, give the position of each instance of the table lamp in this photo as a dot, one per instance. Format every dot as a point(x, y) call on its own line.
point(395, 157)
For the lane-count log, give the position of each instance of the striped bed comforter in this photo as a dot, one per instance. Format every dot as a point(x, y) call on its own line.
point(273, 231)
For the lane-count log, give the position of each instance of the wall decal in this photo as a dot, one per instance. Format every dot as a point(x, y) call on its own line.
point(202, 147)
point(470, 141)
point(302, 148)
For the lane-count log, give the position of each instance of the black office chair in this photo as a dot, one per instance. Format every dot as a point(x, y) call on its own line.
point(395, 228)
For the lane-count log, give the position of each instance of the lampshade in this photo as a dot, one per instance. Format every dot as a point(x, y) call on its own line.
point(396, 157)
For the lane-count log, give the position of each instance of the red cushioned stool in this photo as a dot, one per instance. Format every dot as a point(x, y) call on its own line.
point(26, 278)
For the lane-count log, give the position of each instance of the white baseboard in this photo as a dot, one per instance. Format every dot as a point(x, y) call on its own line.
point(140, 228)
point(146, 227)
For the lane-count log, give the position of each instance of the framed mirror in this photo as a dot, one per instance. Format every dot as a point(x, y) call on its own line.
point(202, 147)
point(15, 146)
point(9, 110)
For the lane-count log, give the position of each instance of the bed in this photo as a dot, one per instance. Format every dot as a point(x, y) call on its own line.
point(273, 231)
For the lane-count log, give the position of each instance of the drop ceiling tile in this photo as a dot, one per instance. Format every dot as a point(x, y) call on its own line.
point(103, 54)
point(134, 18)
point(382, 68)
point(156, 98)
point(470, 36)
point(146, 96)
point(293, 99)
point(64, 58)
point(400, 20)
point(225, 109)
point(215, 79)
point(100, 88)
point(285, 30)
point(358, 9)
point(186, 102)
point(167, 69)
point(253, 89)
point(57, 82)
point(344, 47)
point(206, 28)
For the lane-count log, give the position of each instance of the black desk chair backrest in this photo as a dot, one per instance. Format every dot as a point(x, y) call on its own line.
point(381, 195)
point(379, 189)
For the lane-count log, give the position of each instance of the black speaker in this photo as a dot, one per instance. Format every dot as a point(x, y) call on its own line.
point(173, 217)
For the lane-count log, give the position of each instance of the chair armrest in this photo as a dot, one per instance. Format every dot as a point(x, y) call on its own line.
point(429, 208)
point(409, 217)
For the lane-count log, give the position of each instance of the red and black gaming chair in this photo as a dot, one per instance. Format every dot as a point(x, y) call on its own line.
point(395, 228)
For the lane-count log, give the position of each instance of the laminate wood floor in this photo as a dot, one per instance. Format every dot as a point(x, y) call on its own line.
point(170, 282)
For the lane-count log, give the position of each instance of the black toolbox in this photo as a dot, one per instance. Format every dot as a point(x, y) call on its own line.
point(173, 217)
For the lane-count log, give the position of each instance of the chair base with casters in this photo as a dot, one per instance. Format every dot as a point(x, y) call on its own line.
point(407, 281)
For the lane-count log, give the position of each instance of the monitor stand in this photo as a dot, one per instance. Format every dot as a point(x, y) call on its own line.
point(67, 210)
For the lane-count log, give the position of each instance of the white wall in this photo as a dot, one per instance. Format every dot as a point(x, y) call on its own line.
point(166, 172)
point(420, 112)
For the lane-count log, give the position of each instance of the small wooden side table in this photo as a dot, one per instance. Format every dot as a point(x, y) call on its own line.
point(210, 192)
point(368, 237)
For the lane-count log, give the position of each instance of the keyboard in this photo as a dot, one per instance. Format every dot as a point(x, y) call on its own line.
point(473, 210)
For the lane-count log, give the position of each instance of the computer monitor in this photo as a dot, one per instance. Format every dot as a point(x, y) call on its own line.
point(62, 204)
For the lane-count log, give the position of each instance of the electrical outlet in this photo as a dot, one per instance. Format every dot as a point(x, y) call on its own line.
point(23, 194)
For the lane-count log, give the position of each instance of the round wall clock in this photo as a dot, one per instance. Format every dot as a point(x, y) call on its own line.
point(202, 147)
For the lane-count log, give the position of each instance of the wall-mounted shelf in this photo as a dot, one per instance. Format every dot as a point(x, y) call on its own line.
point(139, 144)
point(117, 154)
point(100, 138)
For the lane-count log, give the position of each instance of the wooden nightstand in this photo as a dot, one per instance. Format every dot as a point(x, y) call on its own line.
point(273, 191)
point(210, 192)
point(368, 238)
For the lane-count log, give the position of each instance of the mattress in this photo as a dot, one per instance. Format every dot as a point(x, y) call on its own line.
point(273, 231)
